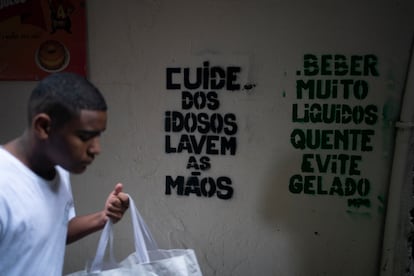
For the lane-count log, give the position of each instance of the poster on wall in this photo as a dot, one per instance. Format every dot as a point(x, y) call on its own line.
point(40, 37)
point(336, 127)
point(203, 126)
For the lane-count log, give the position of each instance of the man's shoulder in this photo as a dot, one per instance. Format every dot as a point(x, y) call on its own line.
point(8, 168)
point(6, 158)
point(11, 172)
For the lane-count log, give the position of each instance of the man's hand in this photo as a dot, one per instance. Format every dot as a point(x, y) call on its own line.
point(116, 204)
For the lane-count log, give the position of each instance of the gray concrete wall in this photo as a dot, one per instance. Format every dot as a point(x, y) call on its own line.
point(271, 202)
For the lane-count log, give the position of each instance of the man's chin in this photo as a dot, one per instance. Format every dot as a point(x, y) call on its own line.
point(78, 170)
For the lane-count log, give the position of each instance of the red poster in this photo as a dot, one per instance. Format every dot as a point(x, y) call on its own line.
point(39, 37)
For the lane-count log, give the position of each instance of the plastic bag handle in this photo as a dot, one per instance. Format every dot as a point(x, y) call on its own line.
point(106, 236)
point(142, 238)
point(144, 241)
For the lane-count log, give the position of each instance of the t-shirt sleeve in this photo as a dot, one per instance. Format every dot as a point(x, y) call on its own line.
point(72, 212)
point(4, 216)
point(65, 176)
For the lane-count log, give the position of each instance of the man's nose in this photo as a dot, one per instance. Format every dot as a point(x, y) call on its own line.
point(95, 146)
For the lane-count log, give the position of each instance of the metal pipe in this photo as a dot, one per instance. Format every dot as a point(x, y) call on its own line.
point(396, 204)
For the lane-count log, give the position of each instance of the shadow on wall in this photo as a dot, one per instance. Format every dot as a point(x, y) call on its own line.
point(13, 106)
point(284, 215)
point(319, 236)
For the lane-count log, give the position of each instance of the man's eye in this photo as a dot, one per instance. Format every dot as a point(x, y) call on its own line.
point(85, 136)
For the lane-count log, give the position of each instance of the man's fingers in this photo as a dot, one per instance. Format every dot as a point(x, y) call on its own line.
point(118, 189)
point(123, 197)
point(115, 217)
point(118, 205)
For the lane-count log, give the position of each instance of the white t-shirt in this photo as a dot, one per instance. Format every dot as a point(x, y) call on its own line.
point(34, 215)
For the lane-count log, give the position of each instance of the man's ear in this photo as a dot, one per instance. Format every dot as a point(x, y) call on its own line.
point(42, 124)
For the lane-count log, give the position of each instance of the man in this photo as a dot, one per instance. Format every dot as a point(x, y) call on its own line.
point(66, 115)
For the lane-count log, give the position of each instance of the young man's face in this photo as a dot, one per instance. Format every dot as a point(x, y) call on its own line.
point(75, 145)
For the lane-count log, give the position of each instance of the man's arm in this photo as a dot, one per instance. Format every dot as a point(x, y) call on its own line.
point(115, 206)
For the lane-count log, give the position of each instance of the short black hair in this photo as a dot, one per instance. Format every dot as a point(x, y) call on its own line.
point(62, 96)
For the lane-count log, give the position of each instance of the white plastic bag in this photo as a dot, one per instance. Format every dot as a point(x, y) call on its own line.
point(147, 259)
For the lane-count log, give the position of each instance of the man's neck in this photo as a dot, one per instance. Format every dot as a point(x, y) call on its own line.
point(25, 152)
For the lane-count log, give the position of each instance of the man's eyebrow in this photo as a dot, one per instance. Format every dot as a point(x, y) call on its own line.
point(90, 133)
